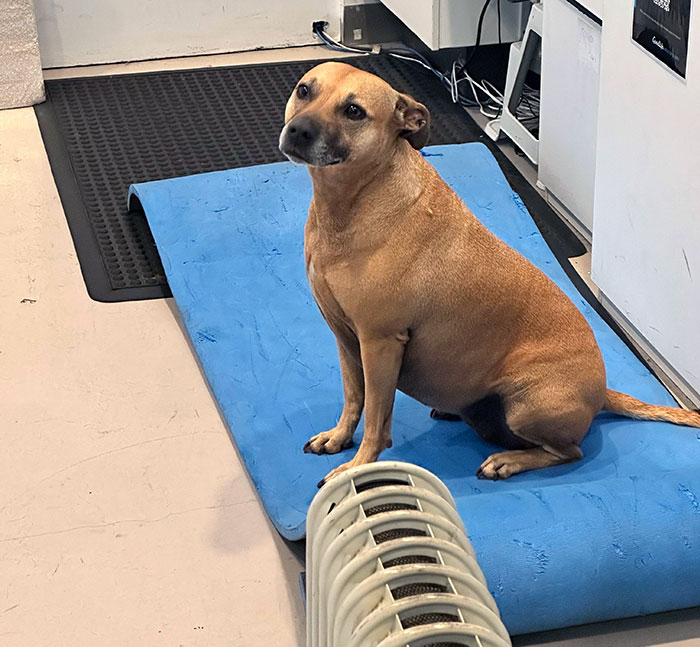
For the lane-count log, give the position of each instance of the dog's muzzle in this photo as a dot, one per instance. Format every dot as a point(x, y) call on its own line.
point(303, 141)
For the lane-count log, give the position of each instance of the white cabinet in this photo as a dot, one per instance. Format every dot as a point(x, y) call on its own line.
point(569, 110)
point(646, 227)
point(453, 23)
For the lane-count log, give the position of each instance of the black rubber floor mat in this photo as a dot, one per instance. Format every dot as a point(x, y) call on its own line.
point(103, 133)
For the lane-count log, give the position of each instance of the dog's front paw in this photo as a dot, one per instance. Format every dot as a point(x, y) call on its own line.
point(329, 442)
point(335, 472)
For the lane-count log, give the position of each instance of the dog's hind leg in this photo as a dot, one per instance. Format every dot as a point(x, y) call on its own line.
point(554, 429)
point(504, 464)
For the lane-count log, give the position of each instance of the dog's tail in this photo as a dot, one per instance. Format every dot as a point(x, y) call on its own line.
point(626, 405)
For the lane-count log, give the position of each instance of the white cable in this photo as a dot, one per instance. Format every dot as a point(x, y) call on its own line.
point(493, 88)
point(473, 85)
point(496, 99)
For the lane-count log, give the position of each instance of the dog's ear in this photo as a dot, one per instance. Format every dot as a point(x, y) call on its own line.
point(413, 119)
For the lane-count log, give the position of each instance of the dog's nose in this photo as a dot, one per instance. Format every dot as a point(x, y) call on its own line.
point(303, 131)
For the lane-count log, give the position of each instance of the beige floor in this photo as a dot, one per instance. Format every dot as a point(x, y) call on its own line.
point(125, 515)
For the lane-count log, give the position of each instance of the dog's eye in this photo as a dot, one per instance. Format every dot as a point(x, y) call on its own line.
point(355, 112)
point(302, 91)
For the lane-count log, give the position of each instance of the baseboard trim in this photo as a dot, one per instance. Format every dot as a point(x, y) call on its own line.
point(568, 216)
point(678, 386)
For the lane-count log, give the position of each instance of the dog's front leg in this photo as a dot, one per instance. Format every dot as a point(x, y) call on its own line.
point(381, 363)
point(340, 437)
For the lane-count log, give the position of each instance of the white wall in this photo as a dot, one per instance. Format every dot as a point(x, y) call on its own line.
point(646, 232)
point(81, 32)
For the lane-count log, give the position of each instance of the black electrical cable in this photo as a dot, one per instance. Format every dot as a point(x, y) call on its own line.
point(478, 35)
point(498, 6)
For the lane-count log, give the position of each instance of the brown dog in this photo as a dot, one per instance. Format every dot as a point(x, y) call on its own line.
point(423, 298)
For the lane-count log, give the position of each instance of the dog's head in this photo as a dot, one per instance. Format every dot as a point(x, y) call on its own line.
point(338, 114)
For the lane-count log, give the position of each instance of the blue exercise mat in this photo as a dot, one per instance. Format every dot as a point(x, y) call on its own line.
point(614, 535)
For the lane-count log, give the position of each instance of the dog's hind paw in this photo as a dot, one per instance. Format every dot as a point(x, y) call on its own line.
point(498, 467)
point(504, 464)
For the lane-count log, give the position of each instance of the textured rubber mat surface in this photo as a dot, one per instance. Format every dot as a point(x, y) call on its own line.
point(104, 133)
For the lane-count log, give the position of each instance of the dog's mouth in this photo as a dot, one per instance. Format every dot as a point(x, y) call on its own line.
point(297, 158)
point(317, 154)
point(294, 157)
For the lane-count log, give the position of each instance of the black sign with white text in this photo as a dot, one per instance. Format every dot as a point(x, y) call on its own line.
point(661, 27)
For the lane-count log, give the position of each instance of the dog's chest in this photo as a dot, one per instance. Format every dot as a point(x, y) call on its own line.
point(333, 289)
point(321, 290)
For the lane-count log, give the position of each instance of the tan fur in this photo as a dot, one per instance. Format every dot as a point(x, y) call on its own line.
point(423, 298)
point(626, 405)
